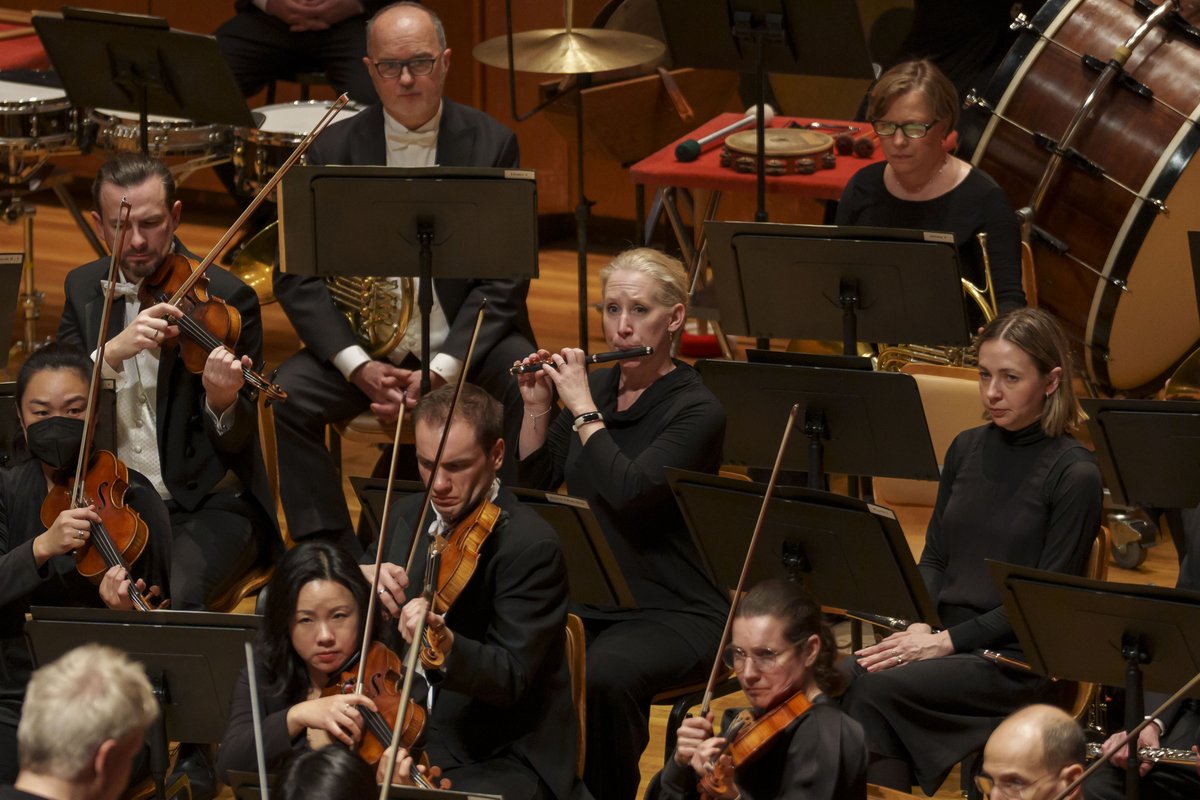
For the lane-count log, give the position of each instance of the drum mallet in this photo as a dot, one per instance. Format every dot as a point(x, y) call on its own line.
point(691, 149)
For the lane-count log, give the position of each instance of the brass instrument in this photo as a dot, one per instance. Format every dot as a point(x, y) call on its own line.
point(377, 309)
point(1155, 755)
point(892, 358)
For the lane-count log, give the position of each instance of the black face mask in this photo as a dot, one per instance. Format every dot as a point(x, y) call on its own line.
point(55, 440)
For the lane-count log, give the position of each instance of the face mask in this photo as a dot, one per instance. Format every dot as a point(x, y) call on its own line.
point(55, 440)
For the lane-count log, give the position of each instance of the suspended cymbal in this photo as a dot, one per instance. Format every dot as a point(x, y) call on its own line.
point(567, 52)
point(1185, 383)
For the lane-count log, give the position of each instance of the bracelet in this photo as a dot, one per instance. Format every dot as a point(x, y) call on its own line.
point(539, 416)
point(585, 418)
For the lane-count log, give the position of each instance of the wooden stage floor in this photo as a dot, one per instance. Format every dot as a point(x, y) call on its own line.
point(59, 247)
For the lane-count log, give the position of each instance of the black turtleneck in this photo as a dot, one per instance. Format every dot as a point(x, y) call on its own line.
point(1021, 497)
point(677, 422)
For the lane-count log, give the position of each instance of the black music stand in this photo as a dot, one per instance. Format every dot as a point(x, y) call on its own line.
point(1117, 634)
point(838, 282)
point(389, 221)
point(1194, 252)
point(246, 786)
point(192, 658)
point(848, 553)
point(132, 62)
point(10, 289)
point(595, 576)
point(800, 37)
point(1148, 450)
point(857, 422)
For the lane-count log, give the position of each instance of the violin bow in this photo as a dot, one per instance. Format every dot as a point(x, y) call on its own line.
point(256, 715)
point(262, 195)
point(410, 656)
point(715, 675)
point(89, 413)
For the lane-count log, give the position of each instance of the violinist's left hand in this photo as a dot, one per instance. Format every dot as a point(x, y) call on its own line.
point(413, 611)
point(917, 643)
point(115, 588)
point(709, 757)
point(402, 774)
point(223, 378)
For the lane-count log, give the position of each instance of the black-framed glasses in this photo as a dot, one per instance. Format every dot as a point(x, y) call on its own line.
point(417, 67)
point(911, 130)
point(764, 659)
point(1006, 788)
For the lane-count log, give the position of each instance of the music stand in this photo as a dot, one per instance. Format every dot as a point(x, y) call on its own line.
point(192, 658)
point(246, 786)
point(1194, 252)
point(1147, 450)
point(838, 282)
point(857, 422)
point(389, 221)
point(1118, 634)
point(10, 288)
point(132, 62)
point(801, 37)
point(848, 553)
point(595, 577)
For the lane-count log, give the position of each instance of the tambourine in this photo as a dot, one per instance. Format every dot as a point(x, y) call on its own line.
point(789, 151)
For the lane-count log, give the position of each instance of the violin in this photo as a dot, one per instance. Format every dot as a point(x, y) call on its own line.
point(747, 737)
point(382, 682)
point(208, 321)
point(455, 556)
point(101, 479)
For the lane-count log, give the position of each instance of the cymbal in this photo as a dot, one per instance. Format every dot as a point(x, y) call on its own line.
point(556, 51)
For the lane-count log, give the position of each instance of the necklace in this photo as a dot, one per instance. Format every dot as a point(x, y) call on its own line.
point(921, 189)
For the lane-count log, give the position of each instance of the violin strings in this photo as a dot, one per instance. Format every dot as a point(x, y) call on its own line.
point(112, 557)
point(383, 732)
point(205, 339)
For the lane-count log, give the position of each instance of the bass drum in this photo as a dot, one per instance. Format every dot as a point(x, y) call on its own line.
point(1114, 238)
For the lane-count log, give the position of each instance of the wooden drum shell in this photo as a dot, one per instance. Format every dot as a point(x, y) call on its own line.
point(1131, 340)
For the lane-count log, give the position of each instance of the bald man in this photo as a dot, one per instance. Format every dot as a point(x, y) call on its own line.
point(1034, 754)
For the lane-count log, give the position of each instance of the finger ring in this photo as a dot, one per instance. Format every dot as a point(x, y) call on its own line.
point(899, 659)
point(382, 591)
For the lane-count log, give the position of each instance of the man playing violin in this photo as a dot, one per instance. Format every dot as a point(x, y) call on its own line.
point(333, 378)
point(782, 652)
point(502, 721)
point(194, 436)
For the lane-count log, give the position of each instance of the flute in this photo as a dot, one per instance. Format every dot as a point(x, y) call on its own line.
point(1155, 755)
point(598, 358)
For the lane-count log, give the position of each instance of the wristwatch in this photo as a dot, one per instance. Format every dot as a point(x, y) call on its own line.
point(585, 418)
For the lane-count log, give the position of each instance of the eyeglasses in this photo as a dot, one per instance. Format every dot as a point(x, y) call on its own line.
point(911, 130)
point(1006, 788)
point(763, 658)
point(417, 67)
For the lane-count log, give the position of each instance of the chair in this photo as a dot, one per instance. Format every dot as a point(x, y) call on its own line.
point(366, 428)
point(950, 396)
point(577, 661)
point(258, 575)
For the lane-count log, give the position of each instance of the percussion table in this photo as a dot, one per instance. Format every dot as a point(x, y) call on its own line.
point(22, 52)
point(668, 176)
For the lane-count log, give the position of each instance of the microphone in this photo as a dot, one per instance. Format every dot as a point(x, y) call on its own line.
point(691, 149)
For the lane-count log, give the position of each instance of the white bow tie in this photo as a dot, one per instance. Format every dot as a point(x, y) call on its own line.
point(402, 139)
point(122, 289)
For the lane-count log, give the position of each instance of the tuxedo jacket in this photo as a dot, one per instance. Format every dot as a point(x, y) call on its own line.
point(193, 456)
point(506, 686)
point(466, 138)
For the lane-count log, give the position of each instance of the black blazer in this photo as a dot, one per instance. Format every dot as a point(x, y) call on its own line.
point(507, 684)
point(466, 138)
point(194, 456)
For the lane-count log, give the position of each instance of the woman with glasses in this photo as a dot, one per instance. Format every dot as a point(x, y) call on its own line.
point(913, 108)
point(1020, 490)
point(780, 649)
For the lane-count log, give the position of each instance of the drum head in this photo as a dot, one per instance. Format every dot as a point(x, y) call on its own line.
point(299, 117)
point(781, 142)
